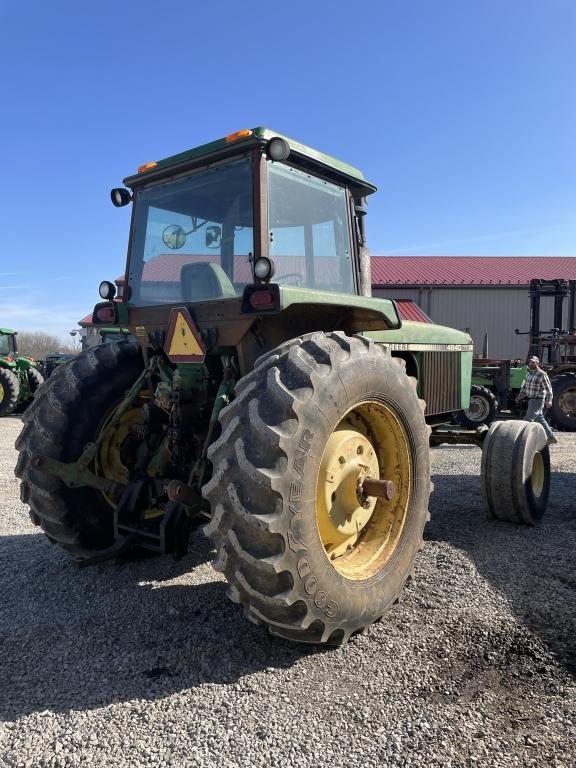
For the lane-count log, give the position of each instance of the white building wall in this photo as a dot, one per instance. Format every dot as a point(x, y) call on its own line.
point(495, 311)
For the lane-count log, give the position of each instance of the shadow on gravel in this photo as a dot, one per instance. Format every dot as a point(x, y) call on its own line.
point(534, 567)
point(81, 639)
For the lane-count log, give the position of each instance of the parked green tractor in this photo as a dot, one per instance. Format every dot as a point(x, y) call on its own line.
point(267, 396)
point(19, 376)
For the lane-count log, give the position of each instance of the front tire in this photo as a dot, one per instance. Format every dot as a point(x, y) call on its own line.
point(9, 391)
point(66, 414)
point(483, 409)
point(563, 411)
point(302, 552)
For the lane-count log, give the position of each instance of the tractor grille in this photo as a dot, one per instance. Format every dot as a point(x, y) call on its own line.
point(441, 381)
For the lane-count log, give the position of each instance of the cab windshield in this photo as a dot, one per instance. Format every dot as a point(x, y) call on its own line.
point(193, 238)
point(6, 344)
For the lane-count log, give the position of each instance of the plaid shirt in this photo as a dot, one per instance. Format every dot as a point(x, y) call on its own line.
point(537, 384)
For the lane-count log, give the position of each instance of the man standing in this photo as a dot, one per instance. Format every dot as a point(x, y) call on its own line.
point(538, 390)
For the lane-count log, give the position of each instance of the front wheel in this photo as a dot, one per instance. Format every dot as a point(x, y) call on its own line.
point(483, 409)
point(307, 551)
point(563, 411)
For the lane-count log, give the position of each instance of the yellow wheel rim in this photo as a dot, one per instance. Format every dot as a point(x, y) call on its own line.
point(359, 534)
point(538, 474)
point(113, 458)
point(1, 393)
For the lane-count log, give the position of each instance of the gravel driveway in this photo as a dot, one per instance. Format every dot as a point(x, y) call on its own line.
point(147, 663)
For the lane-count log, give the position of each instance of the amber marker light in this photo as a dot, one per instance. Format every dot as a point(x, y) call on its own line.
point(146, 167)
point(238, 135)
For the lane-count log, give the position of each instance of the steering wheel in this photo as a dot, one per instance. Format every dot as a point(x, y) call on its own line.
point(289, 275)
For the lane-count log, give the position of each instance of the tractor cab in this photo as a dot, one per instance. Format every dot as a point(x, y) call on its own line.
point(8, 346)
point(254, 207)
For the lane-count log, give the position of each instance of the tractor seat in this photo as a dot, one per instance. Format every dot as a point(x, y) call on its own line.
point(205, 280)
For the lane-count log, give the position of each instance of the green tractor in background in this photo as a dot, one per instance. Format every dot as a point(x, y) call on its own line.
point(266, 396)
point(19, 376)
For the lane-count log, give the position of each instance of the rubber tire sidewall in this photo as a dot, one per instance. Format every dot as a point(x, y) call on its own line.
point(11, 387)
point(332, 601)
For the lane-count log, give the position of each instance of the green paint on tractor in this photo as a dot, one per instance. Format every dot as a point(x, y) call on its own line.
point(19, 375)
point(267, 396)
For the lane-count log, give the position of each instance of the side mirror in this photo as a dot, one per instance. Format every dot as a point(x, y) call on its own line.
point(174, 237)
point(213, 236)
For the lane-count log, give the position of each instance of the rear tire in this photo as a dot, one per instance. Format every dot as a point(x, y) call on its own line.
point(65, 415)
point(563, 411)
point(305, 421)
point(9, 391)
point(483, 408)
point(35, 379)
point(515, 475)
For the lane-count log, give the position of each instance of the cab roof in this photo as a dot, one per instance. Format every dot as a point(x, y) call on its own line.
point(241, 141)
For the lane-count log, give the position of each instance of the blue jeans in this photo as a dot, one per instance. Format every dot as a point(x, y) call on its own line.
point(535, 412)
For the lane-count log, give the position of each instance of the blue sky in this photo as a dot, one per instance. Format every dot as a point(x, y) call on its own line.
point(462, 113)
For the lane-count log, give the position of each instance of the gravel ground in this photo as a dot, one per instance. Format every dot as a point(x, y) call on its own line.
point(147, 664)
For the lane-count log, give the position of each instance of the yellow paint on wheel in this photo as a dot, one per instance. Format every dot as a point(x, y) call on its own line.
point(360, 533)
point(1, 393)
point(538, 474)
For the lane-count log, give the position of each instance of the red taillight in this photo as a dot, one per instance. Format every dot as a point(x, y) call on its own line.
point(105, 315)
point(262, 299)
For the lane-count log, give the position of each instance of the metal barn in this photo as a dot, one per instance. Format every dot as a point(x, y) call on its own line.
point(481, 294)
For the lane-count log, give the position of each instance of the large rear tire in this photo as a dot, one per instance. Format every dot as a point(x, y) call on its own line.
point(563, 411)
point(515, 474)
point(35, 379)
point(483, 408)
point(302, 552)
point(9, 391)
point(67, 413)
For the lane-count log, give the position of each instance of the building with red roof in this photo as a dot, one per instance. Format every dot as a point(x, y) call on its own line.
point(485, 295)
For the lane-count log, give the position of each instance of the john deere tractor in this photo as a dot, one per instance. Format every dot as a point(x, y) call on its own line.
point(19, 376)
point(267, 396)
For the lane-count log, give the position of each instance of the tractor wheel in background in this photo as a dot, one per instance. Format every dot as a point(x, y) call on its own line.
point(483, 409)
point(304, 551)
point(9, 391)
point(563, 411)
point(68, 412)
point(35, 378)
point(515, 475)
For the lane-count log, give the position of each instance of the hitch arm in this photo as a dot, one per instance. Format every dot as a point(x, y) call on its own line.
point(75, 475)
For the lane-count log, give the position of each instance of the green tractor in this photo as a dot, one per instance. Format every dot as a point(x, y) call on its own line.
point(267, 396)
point(19, 376)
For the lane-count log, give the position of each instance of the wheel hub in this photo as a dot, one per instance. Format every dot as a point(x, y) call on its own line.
point(478, 408)
point(348, 459)
point(363, 490)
